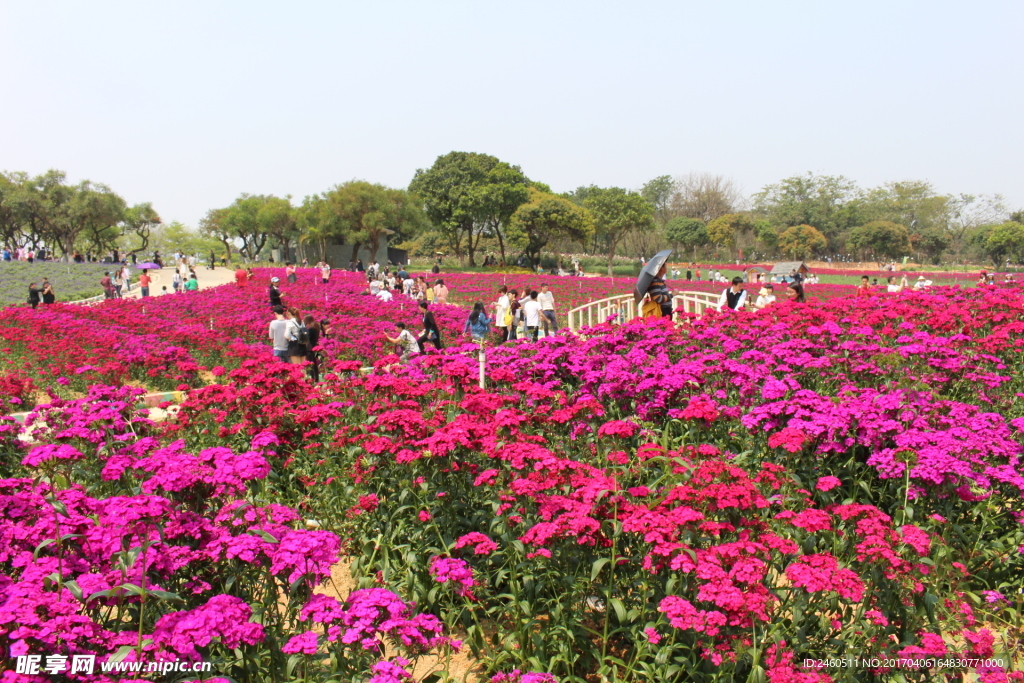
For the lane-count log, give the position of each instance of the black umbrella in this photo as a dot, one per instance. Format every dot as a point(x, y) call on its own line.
point(649, 272)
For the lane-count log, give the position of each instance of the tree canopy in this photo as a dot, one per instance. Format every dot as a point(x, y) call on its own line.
point(545, 217)
point(801, 241)
point(616, 212)
point(882, 239)
point(468, 196)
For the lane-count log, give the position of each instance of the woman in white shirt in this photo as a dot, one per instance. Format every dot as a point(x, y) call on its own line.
point(500, 311)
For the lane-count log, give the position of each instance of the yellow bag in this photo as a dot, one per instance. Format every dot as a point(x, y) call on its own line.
point(650, 309)
point(507, 322)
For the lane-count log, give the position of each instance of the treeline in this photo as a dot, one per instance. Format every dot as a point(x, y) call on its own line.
point(469, 204)
point(47, 211)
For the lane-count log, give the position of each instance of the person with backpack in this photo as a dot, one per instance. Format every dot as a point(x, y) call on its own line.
point(313, 340)
point(298, 339)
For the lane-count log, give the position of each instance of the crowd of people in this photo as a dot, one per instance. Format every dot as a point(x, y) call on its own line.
point(515, 314)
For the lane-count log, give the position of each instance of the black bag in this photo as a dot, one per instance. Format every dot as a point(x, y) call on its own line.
point(297, 347)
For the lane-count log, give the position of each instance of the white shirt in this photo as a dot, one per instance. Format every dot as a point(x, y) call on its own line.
point(384, 295)
point(501, 309)
point(763, 301)
point(546, 300)
point(532, 311)
point(723, 300)
point(892, 289)
point(408, 342)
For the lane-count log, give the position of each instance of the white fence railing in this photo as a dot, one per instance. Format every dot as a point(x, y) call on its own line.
point(623, 307)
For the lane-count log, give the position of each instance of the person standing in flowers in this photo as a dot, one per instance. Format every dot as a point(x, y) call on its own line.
point(407, 343)
point(312, 355)
point(279, 334)
point(502, 319)
point(192, 285)
point(734, 296)
point(298, 341)
point(547, 309)
point(289, 272)
point(659, 294)
point(274, 293)
point(513, 314)
point(532, 316)
point(431, 332)
point(440, 292)
point(478, 324)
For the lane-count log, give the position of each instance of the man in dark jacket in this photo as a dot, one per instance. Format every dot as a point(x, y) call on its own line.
point(274, 292)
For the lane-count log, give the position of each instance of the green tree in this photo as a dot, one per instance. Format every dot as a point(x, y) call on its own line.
point(544, 218)
point(831, 204)
point(767, 234)
point(137, 225)
point(883, 239)
point(658, 192)
point(1005, 241)
point(801, 241)
point(729, 229)
point(616, 212)
point(913, 203)
point(931, 242)
point(362, 214)
point(967, 213)
point(276, 218)
point(253, 220)
point(213, 227)
point(97, 213)
point(469, 196)
point(688, 233)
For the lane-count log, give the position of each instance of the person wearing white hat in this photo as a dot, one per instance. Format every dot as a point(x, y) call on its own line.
point(274, 292)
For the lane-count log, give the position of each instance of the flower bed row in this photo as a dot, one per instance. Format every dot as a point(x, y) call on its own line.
point(717, 501)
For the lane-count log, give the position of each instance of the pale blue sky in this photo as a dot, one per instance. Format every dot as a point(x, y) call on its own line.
point(187, 104)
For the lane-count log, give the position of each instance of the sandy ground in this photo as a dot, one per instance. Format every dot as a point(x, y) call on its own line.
point(459, 666)
point(163, 278)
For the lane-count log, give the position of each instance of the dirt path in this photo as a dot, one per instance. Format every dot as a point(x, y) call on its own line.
point(163, 278)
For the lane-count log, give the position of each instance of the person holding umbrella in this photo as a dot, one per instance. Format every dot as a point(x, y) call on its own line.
point(651, 283)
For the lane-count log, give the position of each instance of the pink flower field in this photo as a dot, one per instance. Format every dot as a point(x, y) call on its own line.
point(830, 491)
